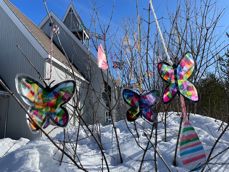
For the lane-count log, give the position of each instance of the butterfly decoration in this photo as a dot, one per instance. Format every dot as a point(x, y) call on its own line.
point(177, 76)
point(141, 104)
point(191, 150)
point(45, 103)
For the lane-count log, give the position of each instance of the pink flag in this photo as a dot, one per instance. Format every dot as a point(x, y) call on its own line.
point(102, 60)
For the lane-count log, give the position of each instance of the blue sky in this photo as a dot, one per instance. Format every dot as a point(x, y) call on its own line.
point(124, 9)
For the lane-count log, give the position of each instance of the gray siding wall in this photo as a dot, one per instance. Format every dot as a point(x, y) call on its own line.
point(13, 62)
point(93, 110)
point(4, 103)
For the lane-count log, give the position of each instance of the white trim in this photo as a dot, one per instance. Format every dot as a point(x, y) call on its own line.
point(61, 65)
point(89, 55)
point(34, 42)
point(4, 93)
point(86, 34)
point(74, 38)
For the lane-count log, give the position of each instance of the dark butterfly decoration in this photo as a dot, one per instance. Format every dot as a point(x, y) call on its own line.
point(141, 104)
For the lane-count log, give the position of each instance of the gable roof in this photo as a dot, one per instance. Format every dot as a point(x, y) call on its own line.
point(82, 49)
point(39, 35)
point(75, 24)
point(71, 7)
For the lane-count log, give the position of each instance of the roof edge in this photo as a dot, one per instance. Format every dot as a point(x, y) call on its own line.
point(89, 54)
point(23, 29)
point(71, 6)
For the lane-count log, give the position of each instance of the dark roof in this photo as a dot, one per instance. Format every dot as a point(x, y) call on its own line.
point(71, 7)
point(38, 34)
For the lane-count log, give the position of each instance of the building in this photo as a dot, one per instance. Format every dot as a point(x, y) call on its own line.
point(22, 43)
point(74, 40)
point(4, 102)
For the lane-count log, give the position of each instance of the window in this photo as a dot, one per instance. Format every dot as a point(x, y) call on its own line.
point(107, 94)
point(108, 117)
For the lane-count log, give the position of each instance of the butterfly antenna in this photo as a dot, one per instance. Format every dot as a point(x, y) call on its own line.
point(46, 85)
point(51, 83)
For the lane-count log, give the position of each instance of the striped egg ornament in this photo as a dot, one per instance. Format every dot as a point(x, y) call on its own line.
point(191, 150)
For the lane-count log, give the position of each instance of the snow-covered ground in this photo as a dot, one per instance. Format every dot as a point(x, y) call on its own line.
point(41, 156)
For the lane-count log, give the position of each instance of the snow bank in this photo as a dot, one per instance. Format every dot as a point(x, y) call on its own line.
point(42, 156)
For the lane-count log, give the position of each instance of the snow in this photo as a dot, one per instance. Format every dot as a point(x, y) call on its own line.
point(42, 156)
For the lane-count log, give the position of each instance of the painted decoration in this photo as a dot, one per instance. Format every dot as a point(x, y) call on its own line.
point(191, 150)
point(46, 103)
point(177, 76)
point(141, 104)
point(102, 59)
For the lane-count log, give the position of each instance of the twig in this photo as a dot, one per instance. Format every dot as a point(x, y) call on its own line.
point(159, 154)
point(213, 147)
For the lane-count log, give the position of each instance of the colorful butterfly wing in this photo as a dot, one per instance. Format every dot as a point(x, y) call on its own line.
point(132, 98)
point(146, 101)
point(191, 150)
point(58, 96)
point(185, 67)
point(61, 93)
point(132, 114)
point(148, 114)
point(166, 72)
point(30, 90)
point(149, 99)
point(169, 93)
point(184, 70)
point(188, 90)
point(47, 123)
point(60, 117)
point(38, 116)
